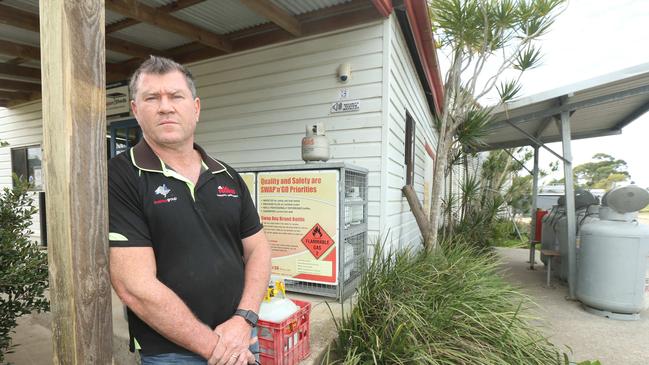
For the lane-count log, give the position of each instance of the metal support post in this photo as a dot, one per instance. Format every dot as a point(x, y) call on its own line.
point(535, 190)
point(570, 202)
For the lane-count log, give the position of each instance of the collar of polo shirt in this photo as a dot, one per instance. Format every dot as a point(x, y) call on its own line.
point(145, 159)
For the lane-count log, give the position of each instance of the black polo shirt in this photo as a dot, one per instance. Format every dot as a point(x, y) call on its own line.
point(195, 233)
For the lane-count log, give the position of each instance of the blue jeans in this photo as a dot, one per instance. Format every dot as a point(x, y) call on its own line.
point(172, 359)
point(189, 359)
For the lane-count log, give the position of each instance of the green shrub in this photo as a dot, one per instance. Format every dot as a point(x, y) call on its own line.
point(503, 229)
point(23, 266)
point(449, 306)
point(504, 234)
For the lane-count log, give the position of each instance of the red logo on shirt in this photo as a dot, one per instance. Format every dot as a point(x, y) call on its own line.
point(226, 191)
point(162, 201)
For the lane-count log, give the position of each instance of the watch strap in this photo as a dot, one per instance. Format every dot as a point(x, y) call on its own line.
point(250, 316)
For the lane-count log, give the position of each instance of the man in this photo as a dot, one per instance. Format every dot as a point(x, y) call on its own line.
point(188, 254)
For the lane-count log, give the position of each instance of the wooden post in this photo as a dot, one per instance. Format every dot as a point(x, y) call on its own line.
point(74, 140)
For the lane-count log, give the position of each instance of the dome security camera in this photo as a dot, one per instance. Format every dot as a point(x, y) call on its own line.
point(344, 72)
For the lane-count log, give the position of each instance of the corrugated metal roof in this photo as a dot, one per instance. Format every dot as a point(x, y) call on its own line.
point(113, 17)
point(600, 106)
point(19, 35)
point(151, 36)
point(116, 57)
point(226, 16)
point(297, 7)
point(221, 17)
point(217, 16)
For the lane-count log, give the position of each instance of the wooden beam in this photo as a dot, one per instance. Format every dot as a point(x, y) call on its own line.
point(169, 8)
point(332, 18)
point(147, 14)
point(11, 95)
point(18, 18)
point(19, 50)
point(4, 103)
point(74, 140)
point(336, 17)
point(122, 70)
point(32, 96)
point(275, 14)
point(28, 21)
point(325, 20)
point(20, 71)
point(130, 48)
point(13, 85)
point(17, 61)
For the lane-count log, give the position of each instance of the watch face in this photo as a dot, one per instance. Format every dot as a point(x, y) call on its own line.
point(253, 317)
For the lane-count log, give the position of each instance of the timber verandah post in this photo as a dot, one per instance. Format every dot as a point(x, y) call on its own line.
point(74, 141)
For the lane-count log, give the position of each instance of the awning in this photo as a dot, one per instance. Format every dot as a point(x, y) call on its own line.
point(599, 107)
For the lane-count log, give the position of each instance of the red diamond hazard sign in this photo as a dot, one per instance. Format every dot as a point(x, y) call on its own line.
point(317, 241)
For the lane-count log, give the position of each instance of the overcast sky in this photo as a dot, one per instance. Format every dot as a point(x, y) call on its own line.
point(589, 39)
point(592, 38)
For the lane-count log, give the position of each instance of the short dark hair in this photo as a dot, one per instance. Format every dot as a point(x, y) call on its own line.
point(159, 66)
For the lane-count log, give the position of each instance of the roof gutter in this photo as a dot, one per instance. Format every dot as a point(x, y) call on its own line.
point(384, 7)
point(422, 30)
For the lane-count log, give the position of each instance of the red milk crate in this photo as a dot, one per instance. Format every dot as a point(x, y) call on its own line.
point(285, 343)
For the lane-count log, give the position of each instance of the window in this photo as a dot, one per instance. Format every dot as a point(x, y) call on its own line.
point(26, 163)
point(123, 135)
point(410, 150)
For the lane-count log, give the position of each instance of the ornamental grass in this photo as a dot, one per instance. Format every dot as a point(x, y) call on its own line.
point(449, 306)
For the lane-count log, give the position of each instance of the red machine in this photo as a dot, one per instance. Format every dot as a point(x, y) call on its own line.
point(539, 216)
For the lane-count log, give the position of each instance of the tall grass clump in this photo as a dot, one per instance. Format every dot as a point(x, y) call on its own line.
point(448, 306)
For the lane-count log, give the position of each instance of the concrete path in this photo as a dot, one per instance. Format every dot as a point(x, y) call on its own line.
point(34, 336)
point(589, 336)
point(34, 339)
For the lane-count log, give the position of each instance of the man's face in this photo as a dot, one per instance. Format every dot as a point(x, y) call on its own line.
point(165, 109)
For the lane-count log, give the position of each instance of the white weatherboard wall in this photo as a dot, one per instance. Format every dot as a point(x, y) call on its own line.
point(405, 93)
point(20, 127)
point(256, 104)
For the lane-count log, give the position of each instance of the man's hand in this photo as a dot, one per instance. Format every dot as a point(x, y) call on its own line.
point(234, 340)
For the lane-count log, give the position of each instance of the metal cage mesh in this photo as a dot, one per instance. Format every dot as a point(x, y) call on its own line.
point(353, 240)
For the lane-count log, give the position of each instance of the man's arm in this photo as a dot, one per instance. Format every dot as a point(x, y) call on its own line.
point(235, 333)
point(133, 274)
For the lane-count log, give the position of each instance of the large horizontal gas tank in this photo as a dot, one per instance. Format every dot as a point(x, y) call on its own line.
point(613, 266)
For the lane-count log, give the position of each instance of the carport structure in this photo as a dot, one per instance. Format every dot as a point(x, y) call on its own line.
point(602, 106)
point(64, 52)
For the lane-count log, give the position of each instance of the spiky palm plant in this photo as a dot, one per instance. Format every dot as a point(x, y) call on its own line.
point(473, 33)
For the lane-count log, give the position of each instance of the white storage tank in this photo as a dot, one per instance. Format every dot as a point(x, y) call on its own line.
point(315, 145)
point(613, 277)
point(586, 204)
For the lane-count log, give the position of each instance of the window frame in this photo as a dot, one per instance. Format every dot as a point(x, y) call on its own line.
point(24, 160)
point(409, 153)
